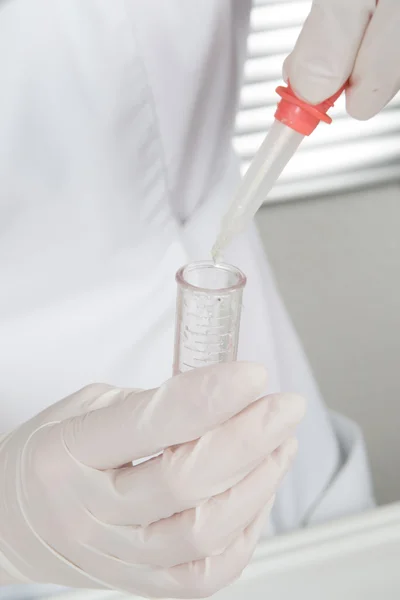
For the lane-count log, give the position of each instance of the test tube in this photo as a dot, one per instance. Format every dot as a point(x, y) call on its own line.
point(208, 309)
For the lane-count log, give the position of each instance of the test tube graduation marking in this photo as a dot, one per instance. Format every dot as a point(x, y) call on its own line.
point(208, 312)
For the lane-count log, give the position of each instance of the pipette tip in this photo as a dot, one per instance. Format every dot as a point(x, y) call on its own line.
point(215, 252)
point(220, 244)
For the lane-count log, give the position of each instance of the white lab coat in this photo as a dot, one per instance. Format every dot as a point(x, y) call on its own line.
point(115, 166)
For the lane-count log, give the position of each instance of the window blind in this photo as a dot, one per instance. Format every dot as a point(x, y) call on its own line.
point(345, 155)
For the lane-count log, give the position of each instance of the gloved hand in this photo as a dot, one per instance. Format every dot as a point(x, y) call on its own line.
point(75, 512)
point(357, 40)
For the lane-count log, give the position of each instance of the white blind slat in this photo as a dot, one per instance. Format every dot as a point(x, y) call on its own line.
point(333, 183)
point(259, 95)
point(363, 153)
point(275, 2)
point(273, 15)
point(264, 68)
point(251, 129)
point(278, 41)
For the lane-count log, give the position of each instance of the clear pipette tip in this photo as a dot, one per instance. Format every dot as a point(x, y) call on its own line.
point(294, 119)
point(275, 152)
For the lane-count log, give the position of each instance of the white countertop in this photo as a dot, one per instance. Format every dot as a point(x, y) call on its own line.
point(356, 558)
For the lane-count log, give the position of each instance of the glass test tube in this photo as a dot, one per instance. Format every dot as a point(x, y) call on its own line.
point(209, 302)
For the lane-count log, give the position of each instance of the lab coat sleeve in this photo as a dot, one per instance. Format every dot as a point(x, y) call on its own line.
point(350, 489)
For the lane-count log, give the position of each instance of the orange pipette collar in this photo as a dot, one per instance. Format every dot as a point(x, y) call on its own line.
point(299, 115)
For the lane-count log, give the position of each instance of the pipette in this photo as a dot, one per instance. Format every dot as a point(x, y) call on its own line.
point(294, 119)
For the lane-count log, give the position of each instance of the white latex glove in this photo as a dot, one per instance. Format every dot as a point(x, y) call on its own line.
point(75, 512)
point(342, 39)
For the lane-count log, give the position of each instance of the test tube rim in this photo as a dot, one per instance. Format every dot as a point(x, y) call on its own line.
point(241, 282)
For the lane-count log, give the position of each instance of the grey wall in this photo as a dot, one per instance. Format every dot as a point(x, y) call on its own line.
point(337, 263)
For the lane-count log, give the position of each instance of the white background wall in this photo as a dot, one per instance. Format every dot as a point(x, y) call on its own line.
point(337, 264)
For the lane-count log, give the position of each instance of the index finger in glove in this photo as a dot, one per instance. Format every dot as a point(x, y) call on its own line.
point(326, 49)
point(182, 409)
point(187, 475)
point(202, 531)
